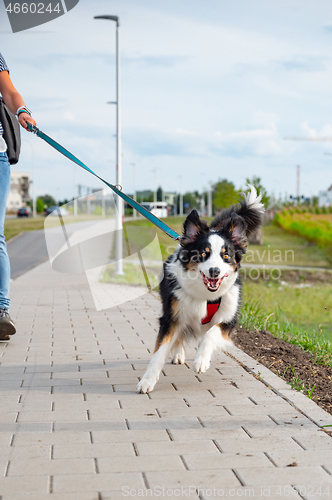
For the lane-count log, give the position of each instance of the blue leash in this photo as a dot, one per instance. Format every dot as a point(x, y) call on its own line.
point(137, 206)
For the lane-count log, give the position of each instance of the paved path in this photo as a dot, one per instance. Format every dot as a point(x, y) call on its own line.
point(73, 427)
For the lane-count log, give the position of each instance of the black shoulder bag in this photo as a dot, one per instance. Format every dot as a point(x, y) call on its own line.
point(11, 133)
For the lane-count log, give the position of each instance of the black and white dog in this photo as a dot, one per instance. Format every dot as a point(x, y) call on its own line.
point(201, 287)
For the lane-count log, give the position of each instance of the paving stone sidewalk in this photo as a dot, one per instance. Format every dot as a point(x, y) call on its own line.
point(73, 427)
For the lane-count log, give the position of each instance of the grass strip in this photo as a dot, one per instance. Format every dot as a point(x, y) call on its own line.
point(252, 317)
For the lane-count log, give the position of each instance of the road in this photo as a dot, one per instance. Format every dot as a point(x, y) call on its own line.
point(26, 251)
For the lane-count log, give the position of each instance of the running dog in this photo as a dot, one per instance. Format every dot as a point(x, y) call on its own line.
point(201, 287)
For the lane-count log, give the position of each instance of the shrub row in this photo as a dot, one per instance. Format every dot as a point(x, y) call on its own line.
point(304, 210)
point(317, 231)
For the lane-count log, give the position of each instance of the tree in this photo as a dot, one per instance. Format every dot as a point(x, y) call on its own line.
point(190, 201)
point(39, 205)
point(256, 182)
point(48, 200)
point(64, 202)
point(144, 196)
point(159, 194)
point(225, 194)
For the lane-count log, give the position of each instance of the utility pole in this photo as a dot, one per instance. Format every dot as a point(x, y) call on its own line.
point(298, 183)
point(202, 204)
point(180, 197)
point(103, 205)
point(210, 200)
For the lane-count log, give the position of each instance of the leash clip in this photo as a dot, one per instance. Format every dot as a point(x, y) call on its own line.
point(32, 128)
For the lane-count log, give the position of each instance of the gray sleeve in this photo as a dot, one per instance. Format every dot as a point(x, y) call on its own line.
point(3, 65)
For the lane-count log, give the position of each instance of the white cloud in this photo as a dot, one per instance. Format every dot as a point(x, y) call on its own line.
point(253, 141)
point(313, 133)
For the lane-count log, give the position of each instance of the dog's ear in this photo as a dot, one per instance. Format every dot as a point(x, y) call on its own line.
point(237, 228)
point(193, 226)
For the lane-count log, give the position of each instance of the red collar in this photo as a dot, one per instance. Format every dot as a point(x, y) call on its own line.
point(211, 309)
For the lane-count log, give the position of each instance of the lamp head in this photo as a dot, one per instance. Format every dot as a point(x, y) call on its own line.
point(109, 18)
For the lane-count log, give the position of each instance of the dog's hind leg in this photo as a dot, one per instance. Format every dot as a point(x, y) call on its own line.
point(178, 353)
point(163, 347)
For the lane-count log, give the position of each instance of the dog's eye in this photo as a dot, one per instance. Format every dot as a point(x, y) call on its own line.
point(226, 256)
point(203, 255)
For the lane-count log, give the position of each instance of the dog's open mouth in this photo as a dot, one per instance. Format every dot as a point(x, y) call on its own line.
point(213, 284)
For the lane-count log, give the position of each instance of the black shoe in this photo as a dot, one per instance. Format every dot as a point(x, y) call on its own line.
point(7, 326)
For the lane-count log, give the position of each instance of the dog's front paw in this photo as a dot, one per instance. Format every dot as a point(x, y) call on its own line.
point(146, 385)
point(201, 363)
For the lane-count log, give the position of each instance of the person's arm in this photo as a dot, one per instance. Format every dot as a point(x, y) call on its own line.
point(13, 99)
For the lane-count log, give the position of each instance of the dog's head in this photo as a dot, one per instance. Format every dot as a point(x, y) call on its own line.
point(212, 256)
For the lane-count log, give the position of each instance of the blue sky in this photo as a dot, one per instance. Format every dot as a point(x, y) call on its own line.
point(209, 90)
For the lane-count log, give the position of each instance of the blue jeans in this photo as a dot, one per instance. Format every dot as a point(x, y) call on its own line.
point(4, 259)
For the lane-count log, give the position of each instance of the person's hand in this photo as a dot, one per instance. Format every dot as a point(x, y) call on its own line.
point(25, 118)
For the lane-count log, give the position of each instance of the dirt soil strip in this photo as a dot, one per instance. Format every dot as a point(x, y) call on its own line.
point(279, 356)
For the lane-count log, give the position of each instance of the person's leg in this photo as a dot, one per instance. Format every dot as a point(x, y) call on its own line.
point(6, 325)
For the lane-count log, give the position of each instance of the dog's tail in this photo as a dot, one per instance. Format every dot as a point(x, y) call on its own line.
point(251, 209)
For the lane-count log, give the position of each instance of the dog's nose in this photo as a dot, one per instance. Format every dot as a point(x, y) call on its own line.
point(214, 272)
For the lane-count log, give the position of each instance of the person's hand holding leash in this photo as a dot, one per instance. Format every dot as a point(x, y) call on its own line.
point(24, 118)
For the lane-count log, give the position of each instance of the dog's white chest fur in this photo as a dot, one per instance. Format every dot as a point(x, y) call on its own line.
point(191, 311)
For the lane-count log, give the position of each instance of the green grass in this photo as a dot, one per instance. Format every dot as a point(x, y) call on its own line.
point(19, 225)
point(308, 309)
point(254, 317)
point(299, 384)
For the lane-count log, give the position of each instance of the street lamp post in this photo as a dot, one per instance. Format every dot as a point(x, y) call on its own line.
point(181, 197)
point(120, 210)
point(154, 170)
